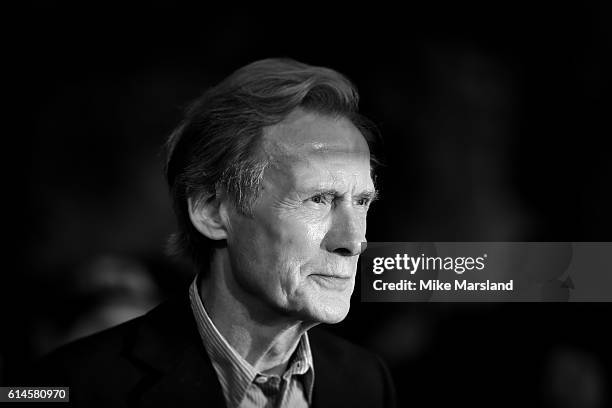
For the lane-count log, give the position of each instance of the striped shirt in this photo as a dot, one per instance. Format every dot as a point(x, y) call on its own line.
point(243, 386)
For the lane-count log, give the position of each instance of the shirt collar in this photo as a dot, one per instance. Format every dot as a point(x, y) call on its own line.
point(234, 372)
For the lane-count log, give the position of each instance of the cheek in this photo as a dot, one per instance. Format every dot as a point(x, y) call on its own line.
point(277, 247)
point(249, 249)
point(298, 245)
point(301, 236)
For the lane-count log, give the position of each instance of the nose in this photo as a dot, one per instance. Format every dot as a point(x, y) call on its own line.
point(346, 235)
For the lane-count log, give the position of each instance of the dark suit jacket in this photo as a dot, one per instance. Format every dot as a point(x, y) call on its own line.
point(158, 360)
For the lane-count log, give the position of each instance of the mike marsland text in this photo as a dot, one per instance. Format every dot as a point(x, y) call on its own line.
point(437, 285)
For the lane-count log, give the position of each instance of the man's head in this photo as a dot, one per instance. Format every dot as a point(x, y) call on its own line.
point(272, 166)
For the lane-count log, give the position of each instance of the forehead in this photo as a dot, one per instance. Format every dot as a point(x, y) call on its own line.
point(305, 135)
point(309, 150)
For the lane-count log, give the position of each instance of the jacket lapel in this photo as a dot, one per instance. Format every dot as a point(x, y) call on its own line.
point(330, 387)
point(178, 371)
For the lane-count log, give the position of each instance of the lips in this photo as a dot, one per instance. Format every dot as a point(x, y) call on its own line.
point(337, 282)
point(332, 276)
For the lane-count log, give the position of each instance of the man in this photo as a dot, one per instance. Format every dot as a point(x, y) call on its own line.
point(270, 174)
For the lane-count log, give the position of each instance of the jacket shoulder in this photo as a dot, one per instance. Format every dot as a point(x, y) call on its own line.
point(93, 365)
point(101, 344)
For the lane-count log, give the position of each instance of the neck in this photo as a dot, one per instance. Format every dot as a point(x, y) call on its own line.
point(261, 335)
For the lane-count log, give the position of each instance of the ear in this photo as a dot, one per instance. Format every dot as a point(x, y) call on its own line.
point(205, 215)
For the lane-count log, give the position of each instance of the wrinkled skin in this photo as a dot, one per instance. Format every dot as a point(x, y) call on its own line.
point(297, 254)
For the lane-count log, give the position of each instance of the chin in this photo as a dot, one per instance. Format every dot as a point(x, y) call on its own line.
point(329, 313)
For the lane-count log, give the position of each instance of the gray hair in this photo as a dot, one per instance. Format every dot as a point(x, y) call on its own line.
point(215, 148)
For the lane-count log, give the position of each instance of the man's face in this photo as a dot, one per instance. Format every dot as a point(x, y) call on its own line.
point(297, 255)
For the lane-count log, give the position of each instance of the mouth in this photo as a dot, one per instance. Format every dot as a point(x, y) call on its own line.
point(332, 281)
point(324, 275)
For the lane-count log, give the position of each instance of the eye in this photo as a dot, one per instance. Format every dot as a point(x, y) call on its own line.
point(321, 199)
point(363, 201)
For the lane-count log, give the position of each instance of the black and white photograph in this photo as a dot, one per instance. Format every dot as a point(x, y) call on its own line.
point(308, 205)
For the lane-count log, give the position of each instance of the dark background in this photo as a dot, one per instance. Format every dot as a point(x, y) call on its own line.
point(496, 124)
